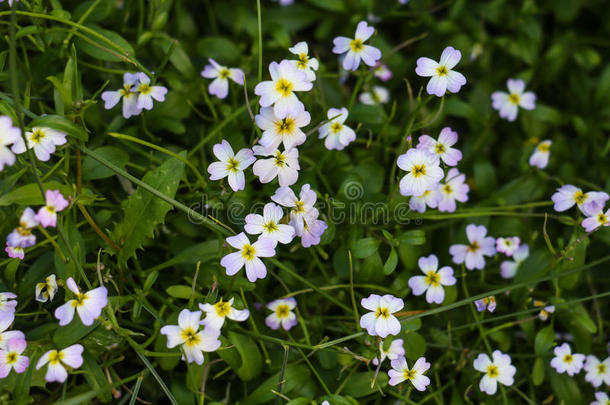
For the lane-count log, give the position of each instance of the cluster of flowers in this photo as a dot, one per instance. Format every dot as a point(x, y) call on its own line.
point(598, 372)
point(591, 204)
point(22, 236)
point(137, 94)
point(88, 305)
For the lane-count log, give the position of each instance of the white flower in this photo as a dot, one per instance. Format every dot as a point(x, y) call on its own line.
point(146, 92)
point(543, 315)
point(11, 358)
point(231, 165)
point(565, 361)
point(248, 256)
point(508, 103)
point(337, 135)
point(46, 291)
point(283, 165)
point(285, 130)
point(269, 225)
point(381, 322)
point(442, 147)
point(423, 172)
point(7, 309)
point(540, 157)
point(433, 281)
point(499, 370)
point(596, 219)
point(379, 95)
point(194, 342)
point(473, 254)
point(71, 356)
point(22, 236)
point(216, 314)
point(395, 351)
point(279, 91)
point(400, 372)
point(508, 245)
point(356, 49)
point(443, 78)
point(282, 314)
point(597, 371)
point(89, 305)
point(42, 140)
point(221, 75)
point(302, 207)
point(602, 399)
point(429, 198)
point(453, 189)
point(128, 93)
point(8, 135)
point(487, 303)
point(304, 63)
point(568, 195)
point(508, 268)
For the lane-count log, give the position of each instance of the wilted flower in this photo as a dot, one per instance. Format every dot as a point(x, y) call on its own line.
point(337, 135)
point(565, 361)
point(356, 49)
point(11, 358)
point(443, 146)
point(55, 202)
point(313, 229)
point(231, 165)
point(453, 189)
point(42, 140)
point(544, 313)
point(473, 254)
point(499, 370)
point(400, 372)
point(433, 281)
point(71, 356)
point(508, 245)
point(283, 165)
point(508, 103)
point(46, 291)
point(443, 78)
point(89, 305)
point(279, 91)
point(221, 75)
point(9, 135)
point(304, 62)
point(395, 351)
point(423, 172)
point(22, 236)
point(508, 268)
point(487, 303)
point(568, 195)
point(268, 224)
point(194, 342)
point(285, 130)
point(597, 371)
point(380, 322)
point(540, 157)
point(378, 95)
point(249, 256)
point(282, 314)
point(14, 252)
point(216, 314)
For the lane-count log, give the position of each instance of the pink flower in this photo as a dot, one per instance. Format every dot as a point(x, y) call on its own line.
point(508, 245)
point(55, 202)
point(11, 358)
point(14, 252)
point(89, 305)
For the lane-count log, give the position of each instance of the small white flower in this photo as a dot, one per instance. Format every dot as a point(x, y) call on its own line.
point(71, 356)
point(473, 254)
point(395, 351)
point(378, 95)
point(540, 157)
point(381, 322)
point(443, 78)
point(302, 207)
point(442, 147)
point(337, 135)
point(429, 198)
point(499, 370)
point(356, 49)
point(11, 358)
point(508, 103)
point(268, 224)
point(508, 268)
point(42, 140)
point(597, 371)
point(283, 165)
point(487, 303)
point(194, 342)
point(602, 399)
point(248, 256)
point(88, 305)
point(9, 135)
point(216, 314)
point(544, 313)
point(282, 314)
point(433, 281)
point(146, 92)
point(453, 189)
point(568, 195)
point(221, 75)
point(400, 372)
point(423, 172)
point(231, 165)
point(508, 245)
point(46, 291)
point(565, 361)
point(304, 62)
point(596, 219)
point(128, 93)
point(279, 91)
point(285, 130)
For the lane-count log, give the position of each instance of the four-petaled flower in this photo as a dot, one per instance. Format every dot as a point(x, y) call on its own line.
point(508, 104)
point(248, 255)
point(268, 224)
point(597, 371)
point(54, 203)
point(231, 165)
point(11, 357)
point(7, 309)
point(433, 281)
point(486, 303)
point(285, 130)
point(499, 370)
point(283, 165)
point(221, 75)
point(443, 77)
point(393, 352)
point(479, 246)
point(88, 305)
point(286, 79)
point(71, 356)
point(146, 92)
point(128, 93)
point(508, 245)
point(9, 135)
point(336, 135)
point(194, 342)
point(377, 95)
point(46, 291)
point(42, 140)
point(356, 49)
point(566, 361)
point(282, 314)
point(453, 189)
point(423, 172)
point(442, 147)
point(22, 236)
point(381, 322)
point(215, 314)
point(401, 372)
point(508, 268)
point(597, 217)
point(568, 195)
point(304, 62)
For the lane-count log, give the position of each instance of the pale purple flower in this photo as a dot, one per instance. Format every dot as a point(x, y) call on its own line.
point(499, 370)
point(22, 236)
point(487, 303)
point(128, 93)
point(443, 77)
point(268, 224)
point(55, 202)
point(443, 146)
point(479, 246)
point(8, 303)
point(596, 219)
point(508, 103)
point(568, 195)
point(216, 314)
point(400, 372)
point(433, 281)
point(187, 334)
point(302, 208)
point(423, 172)
point(14, 252)
point(540, 157)
point(221, 75)
point(429, 198)
point(313, 229)
point(508, 245)
point(283, 165)
point(286, 79)
point(304, 62)
point(146, 92)
point(356, 49)
point(8, 135)
point(88, 305)
point(337, 135)
point(7, 335)
point(383, 72)
point(453, 189)
point(597, 371)
point(282, 314)
point(42, 140)
point(566, 361)
point(11, 358)
point(380, 321)
point(508, 268)
point(395, 351)
point(248, 255)
point(71, 356)
point(377, 95)
point(285, 130)
point(231, 165)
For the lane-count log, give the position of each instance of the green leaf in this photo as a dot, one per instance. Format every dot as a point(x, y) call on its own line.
point(412, 238)
point(365, 247)
point(101, 50)
point(359, 384)
point(143, 211)
point(244, 357)
point(222, 49)
point(538, 371)
point(182, 291)
point(93, 170)
point(566, 388)
point(61, 124)
point(294, 377)
point(72, 332)
point(415, 346)
point(367, 114)
point(391, 262)
point(544, 340)
point(96, 378)
point(30, 194)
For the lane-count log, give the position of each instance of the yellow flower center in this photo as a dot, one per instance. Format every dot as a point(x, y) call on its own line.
point(190, 337)
point(224, 73)
point(356, 45)
point(55, 357)
point(433, 279)
point(568, 358)
point(285, 126)
point(11, 358)
point(233, 165)
point(222, 308)
point(303, 61)
point(284, 87)
point(282, 311)
point(492, 371)
point(336, 127)
point(419, 170)
point(299, 207)
point(23, 231)
point(248, 252)
point(474, 247)
point(544, 147)
point(79, 301)
point(439, 148)
point(144, 88)
point(514, 98)
point(382, 312)
point(37, 136)
point(601, 368)
point(602, 218)
point(270, 227)
point(579, 197)
point(280, 159)
point(442, 70)
point(447, 189)
point(408, 374)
